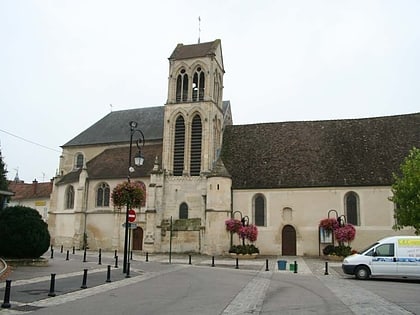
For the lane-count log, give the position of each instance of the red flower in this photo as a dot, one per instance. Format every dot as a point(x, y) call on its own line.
point(345, 233)
point(131, 193)
point(329, 224)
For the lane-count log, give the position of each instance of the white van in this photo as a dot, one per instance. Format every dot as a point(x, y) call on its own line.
point(396, 256)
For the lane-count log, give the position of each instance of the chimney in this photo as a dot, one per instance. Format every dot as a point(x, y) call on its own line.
point(34, 185)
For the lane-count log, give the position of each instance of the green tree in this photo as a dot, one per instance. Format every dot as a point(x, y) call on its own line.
point(406, 193)
point(23, 233)
point(3, 179)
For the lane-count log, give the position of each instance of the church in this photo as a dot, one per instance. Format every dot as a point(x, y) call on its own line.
point(200, 170)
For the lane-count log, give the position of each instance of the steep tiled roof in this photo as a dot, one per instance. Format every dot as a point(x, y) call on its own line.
point(34, 190)
point(196, 50)
point(114, 127)
point(319, 153)
point(113, 163)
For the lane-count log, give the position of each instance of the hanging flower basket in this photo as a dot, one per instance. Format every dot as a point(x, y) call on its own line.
point(345, 233)
point(329, 224)
point(233, 225)
point(130, 193)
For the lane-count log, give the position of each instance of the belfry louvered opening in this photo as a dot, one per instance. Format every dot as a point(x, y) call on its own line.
point(196, 138)
point(179, 146)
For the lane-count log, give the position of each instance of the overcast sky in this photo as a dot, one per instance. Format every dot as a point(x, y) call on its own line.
point(63, 62)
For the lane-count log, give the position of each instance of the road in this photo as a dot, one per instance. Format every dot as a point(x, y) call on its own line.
point(159, 287)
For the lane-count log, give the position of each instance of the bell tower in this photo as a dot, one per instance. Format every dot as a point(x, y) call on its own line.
point(193, 111)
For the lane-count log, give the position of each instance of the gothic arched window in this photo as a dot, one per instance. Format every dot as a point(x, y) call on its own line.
point(69, 197)
point(179, 146)
point(198, 85)
point(351, 202)
point(183, 211)
point(79, 160)
point(182, 86)
point(259, 211)
point(102, 195)
point(196, 138)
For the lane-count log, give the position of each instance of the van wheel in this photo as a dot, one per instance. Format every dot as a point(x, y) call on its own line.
point(362, 273)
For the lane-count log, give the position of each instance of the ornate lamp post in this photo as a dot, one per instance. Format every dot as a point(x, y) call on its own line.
point(138, 161)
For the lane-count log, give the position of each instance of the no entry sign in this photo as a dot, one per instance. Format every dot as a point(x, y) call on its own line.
point(131, 215)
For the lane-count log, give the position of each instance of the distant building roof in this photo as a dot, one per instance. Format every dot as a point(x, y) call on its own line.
point(113, 163)
point(195, 50)
point(349, 152)
point(114, 127)
point(32, 190)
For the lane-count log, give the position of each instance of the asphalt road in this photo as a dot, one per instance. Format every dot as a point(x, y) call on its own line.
point(160, 287)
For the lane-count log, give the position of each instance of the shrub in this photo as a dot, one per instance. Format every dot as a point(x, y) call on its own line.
point(23, 233)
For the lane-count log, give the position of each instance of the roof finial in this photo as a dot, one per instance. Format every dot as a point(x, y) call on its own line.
point(199, 29)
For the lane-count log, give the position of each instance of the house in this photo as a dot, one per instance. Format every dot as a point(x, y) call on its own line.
point(200, 169)
point(34, 195)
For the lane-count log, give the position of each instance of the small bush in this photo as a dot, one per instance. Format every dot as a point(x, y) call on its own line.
point(23, 233)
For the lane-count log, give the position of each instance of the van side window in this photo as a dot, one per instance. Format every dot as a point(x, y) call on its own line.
point(385, 250)
point(369, 253)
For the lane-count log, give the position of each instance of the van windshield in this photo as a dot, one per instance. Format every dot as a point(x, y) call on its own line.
point(367, 248)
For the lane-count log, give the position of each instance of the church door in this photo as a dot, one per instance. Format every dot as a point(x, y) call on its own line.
point(288, 241)
point(138, 239)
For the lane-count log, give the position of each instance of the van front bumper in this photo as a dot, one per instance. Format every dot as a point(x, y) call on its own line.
point(348, 269)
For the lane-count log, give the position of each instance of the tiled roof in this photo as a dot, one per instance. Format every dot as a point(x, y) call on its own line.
point(114, 127)
point(196, 50)
point(34, 190)
point(113, 163)
point(319, 153)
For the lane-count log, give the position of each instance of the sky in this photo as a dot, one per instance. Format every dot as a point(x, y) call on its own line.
point(64, 62)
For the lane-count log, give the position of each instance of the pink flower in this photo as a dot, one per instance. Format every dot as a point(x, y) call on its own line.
point(345, 233)
point(329, 224)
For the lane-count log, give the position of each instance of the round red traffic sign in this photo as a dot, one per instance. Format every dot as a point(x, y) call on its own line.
point(131, 215)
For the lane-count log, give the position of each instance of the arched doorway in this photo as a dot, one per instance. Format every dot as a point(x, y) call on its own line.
point(288, 241)
point(138, 239)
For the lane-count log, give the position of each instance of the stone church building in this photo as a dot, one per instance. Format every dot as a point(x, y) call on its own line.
point(200, 169)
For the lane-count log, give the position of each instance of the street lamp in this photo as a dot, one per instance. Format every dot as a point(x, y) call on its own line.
point(138, 161)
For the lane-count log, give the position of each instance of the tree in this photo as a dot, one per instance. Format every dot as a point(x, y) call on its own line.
point(23, 233)
point(3, 179)
point(406, 193)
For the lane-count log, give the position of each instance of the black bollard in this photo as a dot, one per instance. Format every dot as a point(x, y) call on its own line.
point(296, 266)
point(128, 270)
point(131, 255)
point(52, 285)
point(108, 274)
point(237, 263)
point(115, 253)
point(61, 251)
point(212, 261)
point(52, 253)
point(100, 257)
point(6, 302)
point(84, 255)
point(266, 265)
point(147, 256)
point(116, 261)
point(189, 259)
point(67, 255)
point(74, 250)
point(326, 268)
point(84, 286)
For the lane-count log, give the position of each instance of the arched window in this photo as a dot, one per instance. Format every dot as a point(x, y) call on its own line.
point(259, 211)
point(70, 197)
point(183, 211)
point(351, 202)
point(198, 85)
point(79, 160)
point(102, 195)
point(182, 87)
point(179, 146)
point(196, 138)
